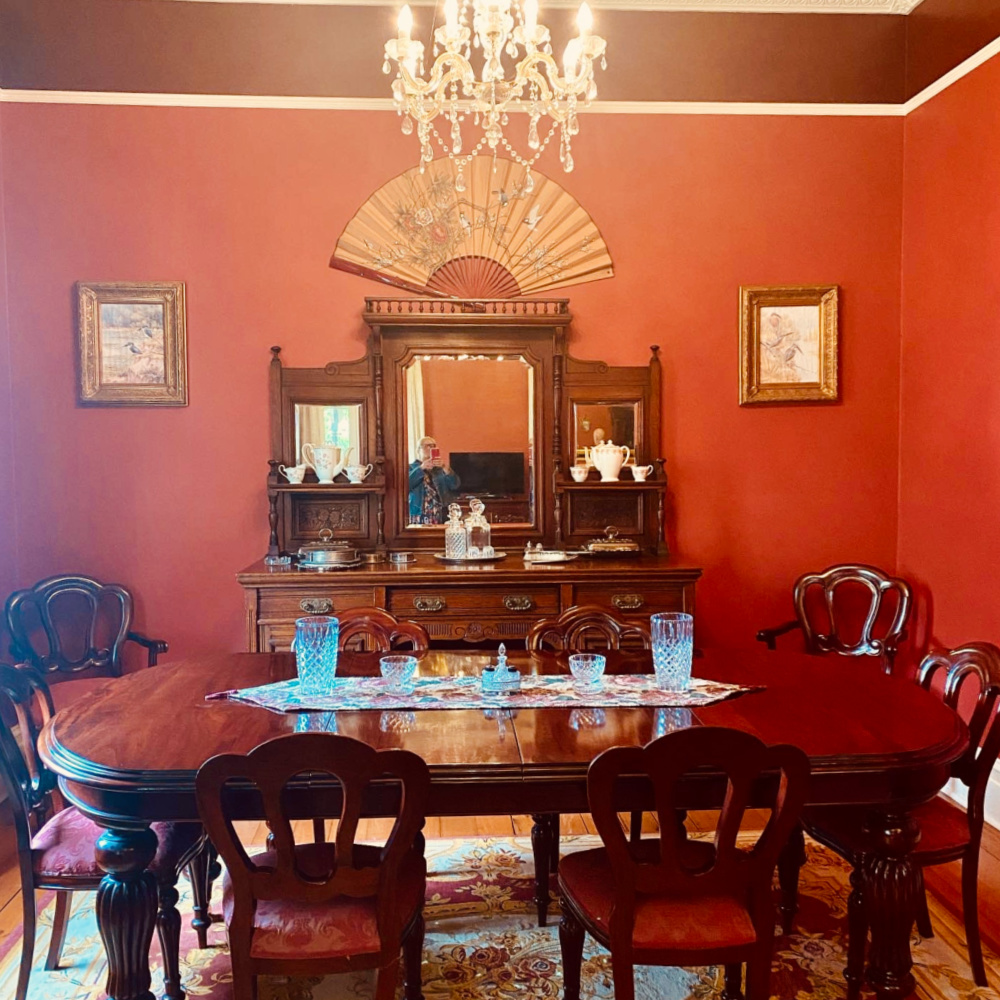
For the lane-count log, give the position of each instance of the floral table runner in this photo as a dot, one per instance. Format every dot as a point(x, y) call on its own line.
point(548, 691)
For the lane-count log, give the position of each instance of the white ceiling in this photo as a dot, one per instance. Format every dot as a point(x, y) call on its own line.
point(744, 6)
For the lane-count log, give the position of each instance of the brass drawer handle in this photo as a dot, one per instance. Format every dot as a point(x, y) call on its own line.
point(430, 603)
point(518, 602)
point(627, 602)
point(316, 605)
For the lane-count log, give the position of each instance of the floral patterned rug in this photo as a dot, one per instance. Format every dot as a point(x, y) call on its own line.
point(483, 944)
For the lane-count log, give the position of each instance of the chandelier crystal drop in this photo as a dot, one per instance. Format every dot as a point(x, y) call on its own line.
point(452, 89)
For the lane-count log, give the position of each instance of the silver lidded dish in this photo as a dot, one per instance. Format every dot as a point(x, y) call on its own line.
point(327, 553)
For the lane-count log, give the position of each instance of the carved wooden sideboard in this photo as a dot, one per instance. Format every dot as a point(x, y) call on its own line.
point(494, 602)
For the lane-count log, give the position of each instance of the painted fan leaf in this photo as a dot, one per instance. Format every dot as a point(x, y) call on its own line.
point(496, 239)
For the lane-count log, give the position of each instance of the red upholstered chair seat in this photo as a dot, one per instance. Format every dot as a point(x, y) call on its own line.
point(944, 828)
point(662, 923)
point(64, 848)
point(335, 928)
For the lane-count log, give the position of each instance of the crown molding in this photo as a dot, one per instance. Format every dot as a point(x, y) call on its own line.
point(720, 6)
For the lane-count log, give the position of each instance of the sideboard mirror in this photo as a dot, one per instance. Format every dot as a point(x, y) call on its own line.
point(455, 400)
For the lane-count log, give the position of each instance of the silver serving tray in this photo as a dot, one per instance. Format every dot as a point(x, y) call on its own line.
point(496, 557)
point(323, 567)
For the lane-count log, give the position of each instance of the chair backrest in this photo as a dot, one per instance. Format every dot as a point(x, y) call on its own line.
point(583, 627)
point(382, 631)
point(68, 626)
point(729, 870)
point(971, 672)
point(271, 767)
point(826, 628)
point(25, 698)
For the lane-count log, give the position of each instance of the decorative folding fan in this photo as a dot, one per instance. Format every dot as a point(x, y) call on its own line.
point(505, 235)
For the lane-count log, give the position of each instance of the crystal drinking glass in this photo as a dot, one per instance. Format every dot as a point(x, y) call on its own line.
point(398, 671)
point(315, 648)
point(673, 646)
point(587, 668)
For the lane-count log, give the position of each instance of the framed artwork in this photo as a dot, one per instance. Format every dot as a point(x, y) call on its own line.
point(788, 345)
point(133, 343)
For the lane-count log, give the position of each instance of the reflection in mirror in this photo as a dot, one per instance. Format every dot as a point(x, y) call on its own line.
point(339, 426)
point(603, 423)
point(470, 432)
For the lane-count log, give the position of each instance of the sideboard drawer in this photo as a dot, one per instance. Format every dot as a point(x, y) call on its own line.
point(636, 600)
point(287, 605)
point(422, 602)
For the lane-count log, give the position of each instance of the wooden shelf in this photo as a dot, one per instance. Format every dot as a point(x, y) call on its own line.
point(328, 487)
point(622, 484)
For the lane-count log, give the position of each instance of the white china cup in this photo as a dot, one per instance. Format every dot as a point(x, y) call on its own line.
point(358, 473)
point(293, 473)
point(639, 472)
point(579, 472)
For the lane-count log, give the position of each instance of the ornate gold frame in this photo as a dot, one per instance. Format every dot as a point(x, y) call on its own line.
point(752, 301)
point(91, 295)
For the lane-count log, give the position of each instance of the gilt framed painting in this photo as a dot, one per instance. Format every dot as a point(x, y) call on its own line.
point(132, 343)
point(788, 345)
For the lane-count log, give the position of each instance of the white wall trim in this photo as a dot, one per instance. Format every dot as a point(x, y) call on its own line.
point(957, 792)
point(986, 53)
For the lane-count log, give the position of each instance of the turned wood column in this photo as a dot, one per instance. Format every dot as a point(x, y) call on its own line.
point(890, 887)
point(541, 848)
point(126, 909)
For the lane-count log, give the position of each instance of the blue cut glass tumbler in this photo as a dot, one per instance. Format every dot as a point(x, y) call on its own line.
point(315, 647)
point(673, 647)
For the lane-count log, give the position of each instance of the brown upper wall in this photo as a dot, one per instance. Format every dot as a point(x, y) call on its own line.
point(161, 46)
point(943, 33)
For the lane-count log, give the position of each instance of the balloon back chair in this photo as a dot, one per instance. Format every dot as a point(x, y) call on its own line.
point(376, 629)
point(321, 908)
point(674, 901)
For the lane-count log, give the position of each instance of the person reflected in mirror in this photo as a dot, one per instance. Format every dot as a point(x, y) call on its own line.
point(433, 484)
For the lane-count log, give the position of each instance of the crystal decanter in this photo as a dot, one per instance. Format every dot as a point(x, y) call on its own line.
point(455, 535)
point(477, 531)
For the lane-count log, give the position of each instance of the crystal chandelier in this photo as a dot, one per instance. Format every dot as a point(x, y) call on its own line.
point(453, 90)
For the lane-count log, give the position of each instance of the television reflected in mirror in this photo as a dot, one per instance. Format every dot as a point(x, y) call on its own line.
point(470, 427)
point(338, 425)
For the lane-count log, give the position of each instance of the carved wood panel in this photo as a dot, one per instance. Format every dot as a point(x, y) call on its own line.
point(590, 513)
point(347, 518)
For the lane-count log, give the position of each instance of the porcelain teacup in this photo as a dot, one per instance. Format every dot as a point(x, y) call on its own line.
point(639, 472)
point(293, 473)
point(579, 472)
point(358, 473)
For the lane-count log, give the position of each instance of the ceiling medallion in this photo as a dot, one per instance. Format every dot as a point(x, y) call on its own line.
point(453, 90)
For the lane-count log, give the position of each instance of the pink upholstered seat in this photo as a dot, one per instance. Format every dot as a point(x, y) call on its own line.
point(63, 850)
point(341, 927)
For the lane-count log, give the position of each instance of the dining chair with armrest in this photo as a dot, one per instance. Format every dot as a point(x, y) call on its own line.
point(56, 844)
point(947, 832)
point(74, 626)
point(381, 631)
point(837, 634)
point(673, 901)
point(583, 627)
point(321, 908)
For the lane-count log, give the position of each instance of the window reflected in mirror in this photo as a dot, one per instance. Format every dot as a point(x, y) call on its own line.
point(596, 423)
point(339, 426)
point(470, 433)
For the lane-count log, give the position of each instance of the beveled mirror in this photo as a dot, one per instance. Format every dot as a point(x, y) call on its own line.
point(469, 427)
point(340, 425)
point(600, 422)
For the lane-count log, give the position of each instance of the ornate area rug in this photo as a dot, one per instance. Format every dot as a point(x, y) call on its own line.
point(482, 944)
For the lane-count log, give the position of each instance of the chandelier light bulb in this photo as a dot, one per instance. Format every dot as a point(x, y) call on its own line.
point(530, 17)
point(404, 22)
point(584, 19)
point(451, 16)
point(571, 57)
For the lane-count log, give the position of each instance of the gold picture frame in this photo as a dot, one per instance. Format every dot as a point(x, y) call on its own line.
point(132, 343)
point(788, 344)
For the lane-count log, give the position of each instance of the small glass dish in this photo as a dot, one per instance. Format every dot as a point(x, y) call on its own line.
point(587, 668)
point(398, 671)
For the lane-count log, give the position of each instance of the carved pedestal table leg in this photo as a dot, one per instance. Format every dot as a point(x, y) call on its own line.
point(890, 900)
point(541, 848)
point(126, 910)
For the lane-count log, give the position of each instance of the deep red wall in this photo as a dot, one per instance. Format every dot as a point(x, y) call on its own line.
point(246, 206)
point(949, 494)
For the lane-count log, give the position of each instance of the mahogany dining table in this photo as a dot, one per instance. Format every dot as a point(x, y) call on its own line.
point(127, 753)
